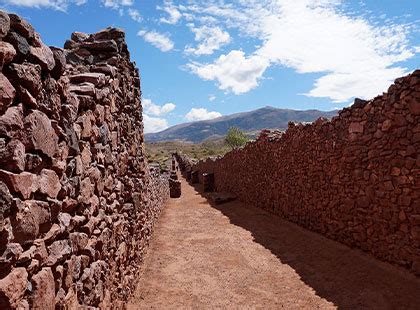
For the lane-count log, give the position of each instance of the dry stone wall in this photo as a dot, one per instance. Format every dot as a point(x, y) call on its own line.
point(77, 198)
point(354, 179)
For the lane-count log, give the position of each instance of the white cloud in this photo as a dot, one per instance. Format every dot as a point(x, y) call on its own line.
point(201, 114)
point(355, 56)
point(154, 124)
point(135, 15)
point(174, 14)
point(212, 98)
point(210, 38)
point(157, 110)
point(234, 71)
point(59, 5)
point(116, 4)
point(158, 40)
point(151, 110)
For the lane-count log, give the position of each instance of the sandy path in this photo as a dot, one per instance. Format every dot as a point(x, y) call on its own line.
point(238, 257)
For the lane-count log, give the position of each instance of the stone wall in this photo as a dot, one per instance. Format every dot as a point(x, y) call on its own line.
point(354, 179)
point(77, 199)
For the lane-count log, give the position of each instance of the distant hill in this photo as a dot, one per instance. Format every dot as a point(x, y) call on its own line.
point(264, 118)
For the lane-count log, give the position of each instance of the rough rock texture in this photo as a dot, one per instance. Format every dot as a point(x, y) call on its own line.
point(77, 198)
point(355, 179)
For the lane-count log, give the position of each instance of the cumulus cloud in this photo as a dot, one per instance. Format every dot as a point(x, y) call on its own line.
point(210, 39)
point(201, 114)
point(234, 71)
point(157, 110)
point(173, 14)
point(135, 15)
point(158, 40)
point(154, 124)
point(354, 55)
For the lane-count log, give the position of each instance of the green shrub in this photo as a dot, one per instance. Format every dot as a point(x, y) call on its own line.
point(236, 138)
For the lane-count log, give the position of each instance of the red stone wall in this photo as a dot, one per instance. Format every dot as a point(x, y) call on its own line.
point(355, 179)
point(77, 199)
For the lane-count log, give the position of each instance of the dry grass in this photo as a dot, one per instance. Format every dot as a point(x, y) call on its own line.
point(160, 152)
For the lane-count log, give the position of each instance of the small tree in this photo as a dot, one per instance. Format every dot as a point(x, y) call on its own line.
point(236, 138)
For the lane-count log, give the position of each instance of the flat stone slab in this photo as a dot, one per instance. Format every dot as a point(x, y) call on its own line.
point(221, 198)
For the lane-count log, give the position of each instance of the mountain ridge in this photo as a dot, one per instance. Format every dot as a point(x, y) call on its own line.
point(263, 118)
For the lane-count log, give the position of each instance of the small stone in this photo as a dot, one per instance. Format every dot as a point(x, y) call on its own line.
point(97, 79)
point(386, 125)
point(78, 241)
point(54, 231)
point(11, 122)
point(4, 24)
point(79, 36)
point(49, 183)
point(30, 216)
point(101, 45)
point(7, 53)
point(5, 201)
point(7, 93)
point(395, 171)
point(60, 62)
point(86, 89)
point(356, 128)
point(13, 156)
point(58, 251)
point(414, 106)
point(64, 219)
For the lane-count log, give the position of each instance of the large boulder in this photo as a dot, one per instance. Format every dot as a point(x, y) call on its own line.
point(24, 184)
point(43, 290)
point(31, 218)
point(43, 56)
point(27, 75)
point(20, 44)
point(12, 288)
point(21, 26)
point(40, 134)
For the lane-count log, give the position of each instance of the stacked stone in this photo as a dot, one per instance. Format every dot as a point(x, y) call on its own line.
point(208, 182)
point(195, 176)
point(77, 200)
point(354, 179)
point(174, 183)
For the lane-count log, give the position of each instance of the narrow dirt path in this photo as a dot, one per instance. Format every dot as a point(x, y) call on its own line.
point(234, 256)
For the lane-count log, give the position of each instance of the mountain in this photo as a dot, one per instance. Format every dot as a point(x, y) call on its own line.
point(264, 118)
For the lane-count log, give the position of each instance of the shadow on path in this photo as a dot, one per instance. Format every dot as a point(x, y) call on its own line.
point(347, 277)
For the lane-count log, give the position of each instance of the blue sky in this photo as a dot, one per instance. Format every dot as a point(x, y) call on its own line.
point(200, 59)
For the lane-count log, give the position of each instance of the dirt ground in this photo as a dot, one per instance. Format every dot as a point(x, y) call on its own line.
point(235, 256)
